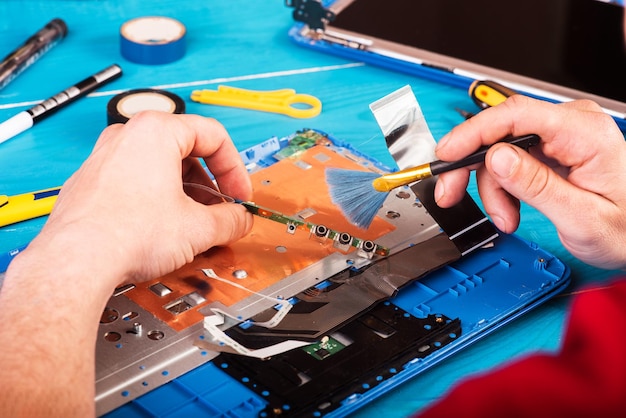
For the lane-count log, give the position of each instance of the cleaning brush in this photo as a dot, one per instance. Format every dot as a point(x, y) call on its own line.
point(360, 194)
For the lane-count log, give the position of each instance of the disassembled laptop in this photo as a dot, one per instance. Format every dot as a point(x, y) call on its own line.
point(297, 310)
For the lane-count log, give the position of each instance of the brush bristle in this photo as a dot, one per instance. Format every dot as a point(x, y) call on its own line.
point(353, 193)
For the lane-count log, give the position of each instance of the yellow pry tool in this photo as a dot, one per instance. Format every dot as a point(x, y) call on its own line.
point(27, 206)
point(284, 101)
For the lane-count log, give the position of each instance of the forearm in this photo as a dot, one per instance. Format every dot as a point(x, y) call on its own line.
point(51, 303)
point(117, 219)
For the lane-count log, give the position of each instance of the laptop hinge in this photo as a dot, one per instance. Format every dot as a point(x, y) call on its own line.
point(311, 12)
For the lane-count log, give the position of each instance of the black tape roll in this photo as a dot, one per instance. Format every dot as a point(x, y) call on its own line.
point(124, 105)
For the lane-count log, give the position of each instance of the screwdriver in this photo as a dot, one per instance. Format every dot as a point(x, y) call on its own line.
point(488, 93)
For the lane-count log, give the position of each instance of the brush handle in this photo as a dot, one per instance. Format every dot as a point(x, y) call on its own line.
point(524, 142)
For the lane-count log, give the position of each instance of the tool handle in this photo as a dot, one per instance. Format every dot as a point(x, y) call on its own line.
point(524, 142)
point(27, 206)
point(487, 93)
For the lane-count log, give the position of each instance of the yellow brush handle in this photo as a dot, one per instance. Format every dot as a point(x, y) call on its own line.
point(390, 181)
point(27, 206)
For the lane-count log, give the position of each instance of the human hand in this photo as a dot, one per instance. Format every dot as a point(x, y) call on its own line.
point(122, 217)
point(576, 176)
point(127, 200)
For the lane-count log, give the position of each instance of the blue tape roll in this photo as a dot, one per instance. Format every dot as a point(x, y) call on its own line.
point(152, 40)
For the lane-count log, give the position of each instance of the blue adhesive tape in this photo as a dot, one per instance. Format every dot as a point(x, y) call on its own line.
point(152, 40)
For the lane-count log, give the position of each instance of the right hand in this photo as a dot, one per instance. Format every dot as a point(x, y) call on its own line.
point(576, 176)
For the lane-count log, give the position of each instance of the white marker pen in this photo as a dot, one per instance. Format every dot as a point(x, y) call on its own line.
point(26, 119)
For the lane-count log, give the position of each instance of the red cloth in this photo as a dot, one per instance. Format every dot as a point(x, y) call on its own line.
point(586, 378)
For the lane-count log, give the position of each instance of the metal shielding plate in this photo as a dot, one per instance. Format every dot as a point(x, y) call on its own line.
point(278, 263)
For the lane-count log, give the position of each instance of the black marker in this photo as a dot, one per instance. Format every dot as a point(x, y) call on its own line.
point(26, 119)
point(34, 47)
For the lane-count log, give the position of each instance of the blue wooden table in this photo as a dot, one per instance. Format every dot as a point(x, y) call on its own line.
point(243, 44)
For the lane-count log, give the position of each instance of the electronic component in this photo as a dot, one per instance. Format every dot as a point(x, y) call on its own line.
point(301, 142)
point(160, 289)
point(316, 379)
point(325, 348)
point(343, 239)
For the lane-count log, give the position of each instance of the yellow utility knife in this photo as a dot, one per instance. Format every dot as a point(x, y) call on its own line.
point(27, 206)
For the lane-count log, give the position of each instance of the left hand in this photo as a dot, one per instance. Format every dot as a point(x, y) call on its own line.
point(127, 200)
